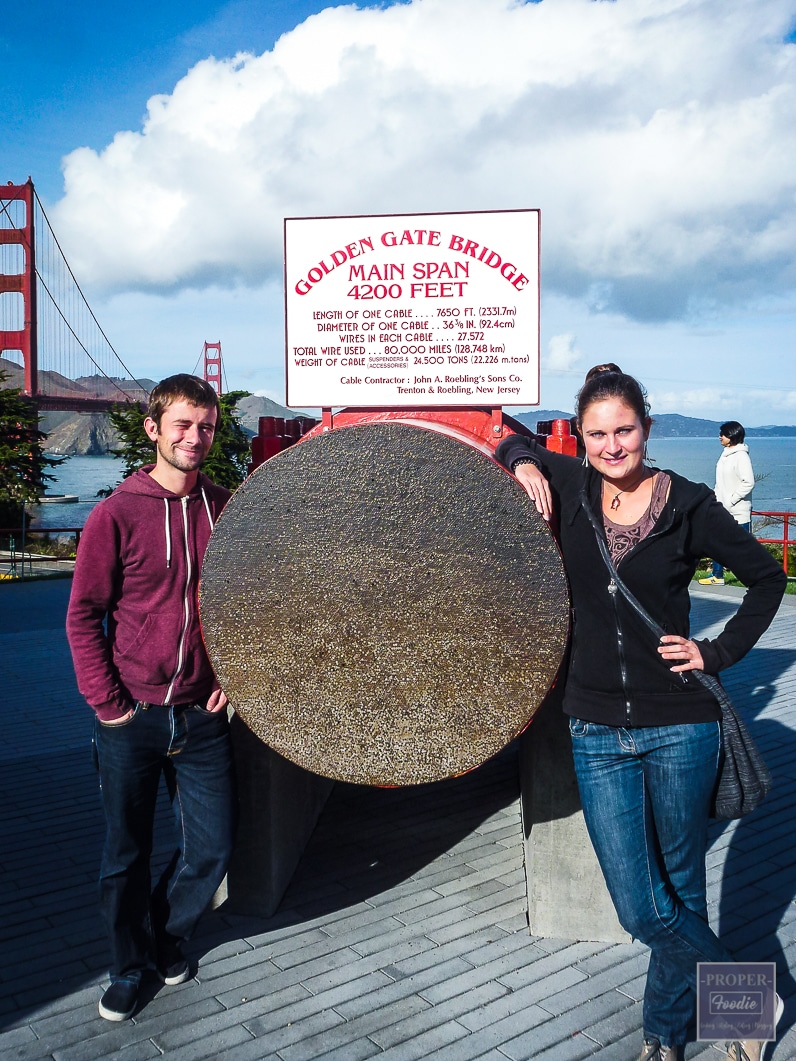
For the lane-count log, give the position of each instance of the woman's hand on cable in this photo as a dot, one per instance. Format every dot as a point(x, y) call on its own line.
point(537, 488)
point(685, 653)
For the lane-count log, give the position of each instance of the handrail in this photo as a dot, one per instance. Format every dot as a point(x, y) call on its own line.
point(785, 540)
point(77, 531)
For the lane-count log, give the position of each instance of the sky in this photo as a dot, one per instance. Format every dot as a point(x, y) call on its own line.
point(167, 143)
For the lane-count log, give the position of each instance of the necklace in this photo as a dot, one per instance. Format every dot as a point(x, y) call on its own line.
point(615, 502)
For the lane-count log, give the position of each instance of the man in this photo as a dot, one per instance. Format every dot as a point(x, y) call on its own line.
point(137, 649)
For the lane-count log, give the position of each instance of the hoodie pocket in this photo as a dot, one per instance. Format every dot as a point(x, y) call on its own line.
point(149, 654)
point(128, 642)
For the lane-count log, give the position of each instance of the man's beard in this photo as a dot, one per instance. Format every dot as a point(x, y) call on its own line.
point(180, 460)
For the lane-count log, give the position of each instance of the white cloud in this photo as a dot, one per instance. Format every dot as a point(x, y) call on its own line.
point(562, 353)
point(779, 401)
point(656, 136)
point(162, 334)
point(694, 401)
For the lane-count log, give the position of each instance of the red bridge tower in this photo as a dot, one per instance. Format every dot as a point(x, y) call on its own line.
point(22, 282)
point(212, 356)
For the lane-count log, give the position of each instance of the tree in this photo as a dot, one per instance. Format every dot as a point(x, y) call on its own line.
point(228, 459)
point(22, 461)
point(136, 449)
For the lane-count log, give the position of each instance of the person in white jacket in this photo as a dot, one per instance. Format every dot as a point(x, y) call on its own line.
point(735, 481)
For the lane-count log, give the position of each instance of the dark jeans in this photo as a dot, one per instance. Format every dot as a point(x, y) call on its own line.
point(646, 796)
point(191, 748)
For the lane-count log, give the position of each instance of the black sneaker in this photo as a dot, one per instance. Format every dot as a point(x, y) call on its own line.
point(119, 1001)
point(173, 966)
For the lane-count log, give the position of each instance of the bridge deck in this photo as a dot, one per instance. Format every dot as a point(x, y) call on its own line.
point(404, 933)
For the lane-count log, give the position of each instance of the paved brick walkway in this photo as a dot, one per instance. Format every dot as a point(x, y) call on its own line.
point(402, 936)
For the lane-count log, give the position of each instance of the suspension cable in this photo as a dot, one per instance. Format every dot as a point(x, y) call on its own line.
point(88, 307)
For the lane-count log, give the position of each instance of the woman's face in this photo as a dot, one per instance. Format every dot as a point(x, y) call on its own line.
point(614, 438)
point(724, 440)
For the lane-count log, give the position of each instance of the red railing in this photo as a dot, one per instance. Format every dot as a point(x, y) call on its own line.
point(785, 540)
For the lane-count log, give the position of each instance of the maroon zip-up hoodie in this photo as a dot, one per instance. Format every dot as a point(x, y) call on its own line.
point(138, 563)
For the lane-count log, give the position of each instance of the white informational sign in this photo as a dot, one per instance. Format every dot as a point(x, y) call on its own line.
point(413, 309)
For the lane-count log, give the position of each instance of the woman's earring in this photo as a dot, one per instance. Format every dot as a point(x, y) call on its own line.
point(586, 460)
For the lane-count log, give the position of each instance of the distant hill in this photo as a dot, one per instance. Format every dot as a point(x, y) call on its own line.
point(96, 386)
point(78, 434)
point(670, 425)
point(535, 415)
point(252, 408)
point(91, 434)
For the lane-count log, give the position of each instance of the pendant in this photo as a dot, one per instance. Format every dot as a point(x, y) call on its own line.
point(615, 501)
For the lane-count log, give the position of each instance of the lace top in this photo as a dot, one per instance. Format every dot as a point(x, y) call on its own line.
point(621, 539)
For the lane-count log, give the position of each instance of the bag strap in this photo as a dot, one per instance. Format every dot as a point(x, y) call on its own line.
point(637, 606)
point(711, 683)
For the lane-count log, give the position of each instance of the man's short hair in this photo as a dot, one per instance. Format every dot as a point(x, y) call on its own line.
point(181, 388)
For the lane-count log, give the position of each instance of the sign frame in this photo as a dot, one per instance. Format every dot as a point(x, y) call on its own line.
point(429, 269)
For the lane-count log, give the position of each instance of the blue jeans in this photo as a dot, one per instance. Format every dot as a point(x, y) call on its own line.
point(191, 748)
point(646, 795)
point(718, 570)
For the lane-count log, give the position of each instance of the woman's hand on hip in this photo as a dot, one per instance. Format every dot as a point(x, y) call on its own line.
point(685, 653)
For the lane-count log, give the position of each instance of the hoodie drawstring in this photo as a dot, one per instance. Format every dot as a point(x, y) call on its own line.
point(168, 528)
point(168, 533)
point(207, 509)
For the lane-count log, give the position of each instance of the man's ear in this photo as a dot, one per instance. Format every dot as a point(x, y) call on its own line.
point(151, 429)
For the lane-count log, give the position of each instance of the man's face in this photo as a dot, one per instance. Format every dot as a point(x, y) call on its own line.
point(185, 434)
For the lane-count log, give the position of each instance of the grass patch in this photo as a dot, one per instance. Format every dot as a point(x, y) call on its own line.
point(731, 580)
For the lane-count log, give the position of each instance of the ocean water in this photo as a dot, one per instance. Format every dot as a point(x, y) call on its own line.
point(80, 476)
point(773, 460)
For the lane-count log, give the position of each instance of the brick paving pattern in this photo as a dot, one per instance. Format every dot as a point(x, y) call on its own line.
point(404, 932)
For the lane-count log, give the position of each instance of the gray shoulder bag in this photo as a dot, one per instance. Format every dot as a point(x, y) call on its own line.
point(744, 781)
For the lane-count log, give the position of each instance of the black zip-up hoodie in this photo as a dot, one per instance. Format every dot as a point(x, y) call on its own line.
point(616, 676)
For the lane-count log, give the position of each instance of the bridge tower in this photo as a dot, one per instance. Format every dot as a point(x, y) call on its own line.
point(212, 358)
point(18, 276)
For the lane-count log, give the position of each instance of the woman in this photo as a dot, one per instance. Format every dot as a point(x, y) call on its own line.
point(735, 481)
point(645, 733)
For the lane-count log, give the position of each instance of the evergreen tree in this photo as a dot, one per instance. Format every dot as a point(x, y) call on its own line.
point(22, 461)
point(228, 459)
point(135, 449)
